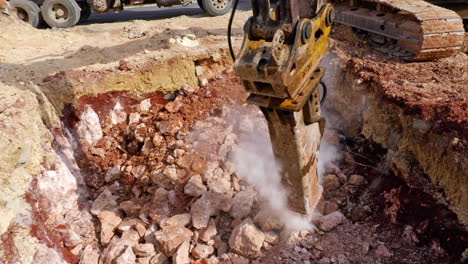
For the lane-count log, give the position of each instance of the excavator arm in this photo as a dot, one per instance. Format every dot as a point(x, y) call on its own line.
point(278, 64)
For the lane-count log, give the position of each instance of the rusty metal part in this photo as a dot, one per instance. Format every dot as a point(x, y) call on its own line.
point(412, 29)
point(279, 66)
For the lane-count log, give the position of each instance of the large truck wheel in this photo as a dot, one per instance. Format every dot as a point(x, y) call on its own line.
point(216, 7)
point(200, 4)
point(61, 13)
point(85, 10)
point(27, 11)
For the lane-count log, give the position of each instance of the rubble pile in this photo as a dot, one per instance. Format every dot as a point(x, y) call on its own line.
point(165, 191)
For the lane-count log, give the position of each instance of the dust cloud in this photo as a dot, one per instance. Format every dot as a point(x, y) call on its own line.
point(254, 159)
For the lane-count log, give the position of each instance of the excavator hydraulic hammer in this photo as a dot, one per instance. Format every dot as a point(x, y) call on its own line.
point(279, 66)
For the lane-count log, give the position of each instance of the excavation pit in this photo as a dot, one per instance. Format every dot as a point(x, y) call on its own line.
point(147, 156)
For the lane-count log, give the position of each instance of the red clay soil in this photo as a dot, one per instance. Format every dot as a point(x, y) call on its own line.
point(434, 90)
point(204, 102)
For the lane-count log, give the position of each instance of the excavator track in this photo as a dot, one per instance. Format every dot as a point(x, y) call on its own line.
point(410, 29)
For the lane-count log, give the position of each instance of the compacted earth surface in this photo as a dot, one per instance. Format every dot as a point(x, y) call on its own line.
point(132, 143)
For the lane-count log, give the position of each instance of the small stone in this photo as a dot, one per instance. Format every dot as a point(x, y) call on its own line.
point(331, 207)
point(177, 220)
point(160, 208)
point(331, 182)
point(130, 208)
point(246, 239)
point(272, 237)
point(202, 251)
point(331, 137)
point(157, 139)
point(170, 238)
point(171, 172)
point(159, 258)
point(174, 106)
point(199, 70)
point(147, 146)
point(144, 250)
point(208, 233)
point(89, 128)
point(342, 259)
point(112, 174)
point(383, 252)
point(133, 118)
point(188, 90)
point(267, 221)
point(109, 221)
point(90, 255)
point(356, 180)
point(330, 221)
point(178, 153)
point(127, 257)
point(242, 203)
point(324, 261)
point(104, 202)
point(203, 83)
point(140, 132)
point(118, 115)
point(206, 206)
point(133, 223)
point(145, 105)
point(131, 236)
point(182, 254)
point(365, 248)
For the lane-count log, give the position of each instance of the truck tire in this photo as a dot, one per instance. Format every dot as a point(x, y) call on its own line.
point(216, 7)
point(85, 11)
point(200, 4)
point(27, 11)
point(61, 13)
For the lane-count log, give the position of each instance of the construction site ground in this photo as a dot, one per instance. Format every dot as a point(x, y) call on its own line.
point(124, 142)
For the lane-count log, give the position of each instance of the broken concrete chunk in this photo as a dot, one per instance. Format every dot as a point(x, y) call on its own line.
point(330, 221)
point(195, 186)
point(170, 238)
point(246, 239)
point(242, 203)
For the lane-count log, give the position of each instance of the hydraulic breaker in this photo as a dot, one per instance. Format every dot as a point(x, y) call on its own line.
point(278, 64)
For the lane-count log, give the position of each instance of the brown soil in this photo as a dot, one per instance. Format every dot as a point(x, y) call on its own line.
point(434, 90)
